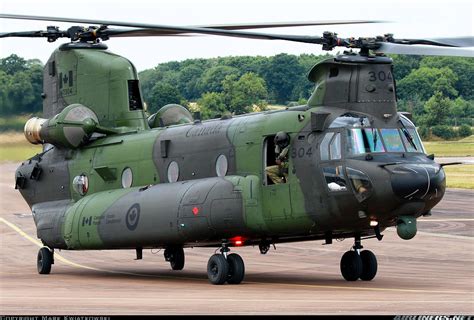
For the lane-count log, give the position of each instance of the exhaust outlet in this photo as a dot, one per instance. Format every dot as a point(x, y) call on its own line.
point(32, 130)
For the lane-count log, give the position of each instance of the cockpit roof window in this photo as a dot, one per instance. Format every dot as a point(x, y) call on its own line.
point(350, 120)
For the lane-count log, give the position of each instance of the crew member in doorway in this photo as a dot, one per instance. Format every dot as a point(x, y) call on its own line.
point(279, 173)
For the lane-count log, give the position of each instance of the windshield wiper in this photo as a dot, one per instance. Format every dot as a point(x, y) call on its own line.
point(374, 139)
point(408, 135)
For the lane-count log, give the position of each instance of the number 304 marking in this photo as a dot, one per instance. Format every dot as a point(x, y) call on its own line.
point(301, 152)
point(380, 76)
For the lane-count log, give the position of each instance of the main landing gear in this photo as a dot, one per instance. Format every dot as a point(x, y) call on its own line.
point(223, 267)
point(175, 256)
point(358, 264)
point(44, 260)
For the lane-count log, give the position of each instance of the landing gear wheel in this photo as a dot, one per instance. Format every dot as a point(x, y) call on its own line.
point(236, 269)
point(217, 269)
point(351, 266)
point(264, 247)
point(369, 265)
point(175, 256)
point(44, 261)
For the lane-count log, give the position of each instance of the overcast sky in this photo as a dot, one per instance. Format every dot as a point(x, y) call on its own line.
point(409, 19)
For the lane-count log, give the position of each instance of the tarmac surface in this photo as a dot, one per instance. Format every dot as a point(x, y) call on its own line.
point(430, 274)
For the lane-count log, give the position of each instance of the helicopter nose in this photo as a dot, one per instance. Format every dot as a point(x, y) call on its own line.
point(418, 182)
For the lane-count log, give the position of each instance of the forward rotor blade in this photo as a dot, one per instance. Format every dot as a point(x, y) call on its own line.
point(444, 42)
point(457, 42)
point(387, 47)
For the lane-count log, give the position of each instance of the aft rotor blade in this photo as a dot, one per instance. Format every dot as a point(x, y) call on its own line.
point(240, 26)
point(243, 26)
point(387, 47)
point(176, 29)
point(141, 32)
point(52, 33)
point(26, 34)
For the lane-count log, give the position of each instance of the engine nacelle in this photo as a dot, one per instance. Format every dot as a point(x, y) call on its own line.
point(70, 128)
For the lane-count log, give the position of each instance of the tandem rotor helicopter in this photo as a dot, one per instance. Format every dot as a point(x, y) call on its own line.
point(346, 165)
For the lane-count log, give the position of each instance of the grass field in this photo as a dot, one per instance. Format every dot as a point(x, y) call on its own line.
point(13, 123)
point(460, 148)
point(15, 148)
point(461, 176)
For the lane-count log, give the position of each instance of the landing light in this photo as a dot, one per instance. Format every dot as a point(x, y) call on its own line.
point(374, 223)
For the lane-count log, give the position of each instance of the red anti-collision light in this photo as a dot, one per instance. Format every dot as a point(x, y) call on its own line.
point(237, 241)
point(195, 211)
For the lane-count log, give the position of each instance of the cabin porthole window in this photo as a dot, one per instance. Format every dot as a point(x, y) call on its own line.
point(173, 171)
point(127, 177)
point(221, 166)
point(311, 137)
point(80, 184)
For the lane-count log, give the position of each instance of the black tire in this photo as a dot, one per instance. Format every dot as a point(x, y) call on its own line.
point(236, 269)
point(351, 266)
point(217, 269)
point(177, 259)
point(44, 261)
point(369, 265)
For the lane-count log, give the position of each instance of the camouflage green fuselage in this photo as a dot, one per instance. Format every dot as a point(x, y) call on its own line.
point(201, 183)
point(235, 205)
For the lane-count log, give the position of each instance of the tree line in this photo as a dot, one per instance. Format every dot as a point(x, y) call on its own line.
point(436, 90)
point(21, 85)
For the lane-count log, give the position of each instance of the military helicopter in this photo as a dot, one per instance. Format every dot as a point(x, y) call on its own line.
point(109, 177)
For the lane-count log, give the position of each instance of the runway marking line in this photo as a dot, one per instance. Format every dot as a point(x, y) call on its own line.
point(141, 298)
point(446, 220)
point(77, 265)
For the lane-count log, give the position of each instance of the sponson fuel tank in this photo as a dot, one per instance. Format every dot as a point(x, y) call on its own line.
point(173, 213)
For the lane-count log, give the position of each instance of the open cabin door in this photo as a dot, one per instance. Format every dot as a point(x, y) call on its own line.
point(276, 196)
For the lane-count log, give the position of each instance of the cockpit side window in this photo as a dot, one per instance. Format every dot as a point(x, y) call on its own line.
point(416, 140)
point(335, 178)
point(409, 135)
point(324, 149)
point(411, 147)
point(335, 147)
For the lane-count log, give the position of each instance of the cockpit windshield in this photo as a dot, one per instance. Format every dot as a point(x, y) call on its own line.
point(364, 141)
point(362, 138)
point(360, 141)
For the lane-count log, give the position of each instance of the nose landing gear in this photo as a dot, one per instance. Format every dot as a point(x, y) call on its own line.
point(225, 267)
point(358, 264)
